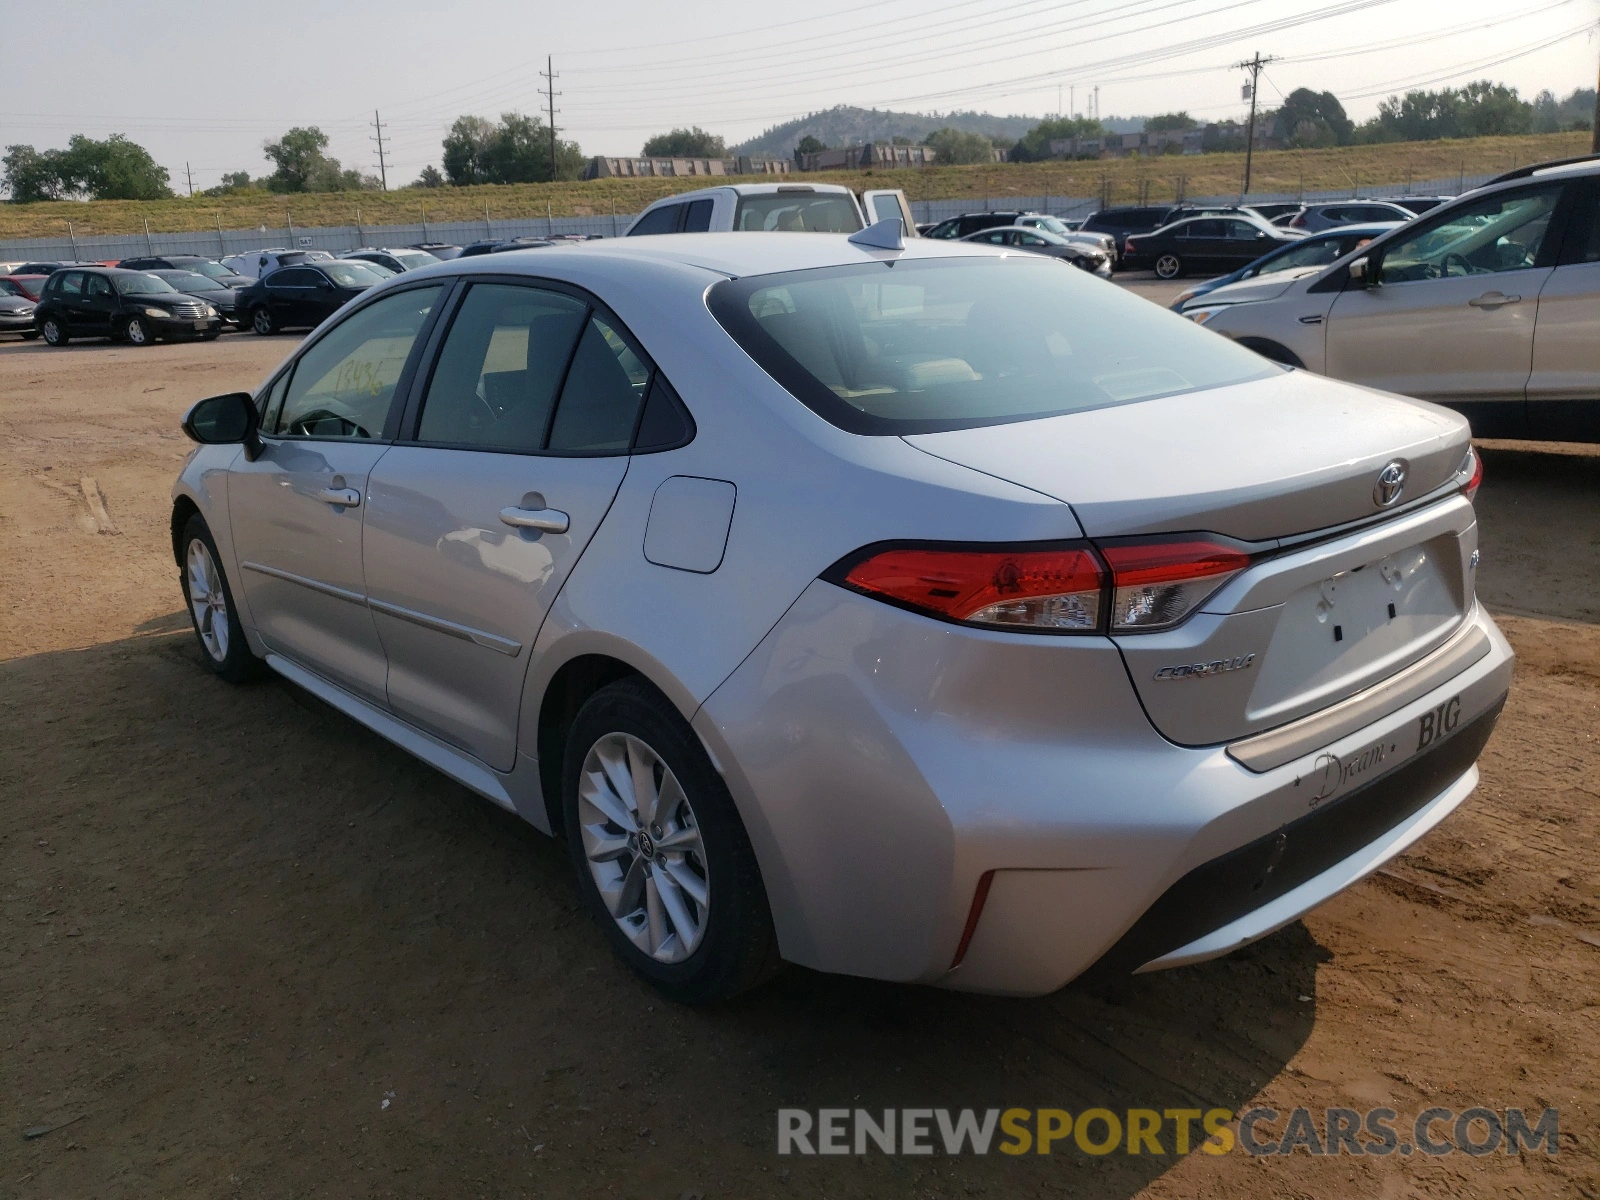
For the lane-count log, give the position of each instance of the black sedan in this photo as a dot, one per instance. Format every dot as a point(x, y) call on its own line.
point(305, 295)
point(221, 297)
point(209, 267)
point(1204, 244)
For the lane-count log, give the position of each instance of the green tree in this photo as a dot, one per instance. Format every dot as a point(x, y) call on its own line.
point(1493, 109)
point(301, 164)
point(957, 146)
point(1310, 118)
point(115, 169)
point(808, 145)
point(1034, 145)
point(1477, 110)
point(32, 175)
point(466, 150)
point(429, 177)
point(517, 150)
point(1172, 122)
point(685, 143)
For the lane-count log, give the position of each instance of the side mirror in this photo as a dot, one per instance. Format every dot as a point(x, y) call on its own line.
point(227, 420)
point(1361, 274)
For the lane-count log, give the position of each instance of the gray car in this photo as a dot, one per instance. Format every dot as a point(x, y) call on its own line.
point(916, 610)
point(1314, 218)
point(1042, 241)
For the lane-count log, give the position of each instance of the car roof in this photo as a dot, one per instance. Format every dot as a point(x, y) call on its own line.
point(734, 255)
point(754, 189)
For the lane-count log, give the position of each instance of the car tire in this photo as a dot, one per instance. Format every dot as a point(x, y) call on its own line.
point(690, 916)
point(137, 332)
point(261, 321)
point(212, 612)
point(1168, 266)
point(53, 332)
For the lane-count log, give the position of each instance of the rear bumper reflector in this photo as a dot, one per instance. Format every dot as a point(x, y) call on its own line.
point(979, 895)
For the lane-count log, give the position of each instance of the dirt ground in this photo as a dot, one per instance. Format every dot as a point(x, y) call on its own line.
point(249, 949)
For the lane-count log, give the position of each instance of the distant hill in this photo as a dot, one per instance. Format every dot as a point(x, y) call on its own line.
point(847, 126)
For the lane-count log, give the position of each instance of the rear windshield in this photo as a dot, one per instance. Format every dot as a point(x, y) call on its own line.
point(919, 346)
point(805, 212)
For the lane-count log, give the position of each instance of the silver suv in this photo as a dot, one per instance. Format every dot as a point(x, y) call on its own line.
point(1489, 304)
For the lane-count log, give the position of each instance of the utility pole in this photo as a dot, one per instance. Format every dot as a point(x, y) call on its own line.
point(383, 169)
point(1072, 102)
point(189, 175)
point(550, 95)
point(1097, 102)
point(1253, 65)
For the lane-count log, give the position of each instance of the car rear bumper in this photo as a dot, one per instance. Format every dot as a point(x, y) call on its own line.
point(886, 763)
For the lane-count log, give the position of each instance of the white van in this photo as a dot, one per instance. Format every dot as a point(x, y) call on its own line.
point(804, 207)
point(257, 263)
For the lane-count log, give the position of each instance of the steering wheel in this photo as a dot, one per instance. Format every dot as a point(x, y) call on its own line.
point(1444, 267)
point(347, 427)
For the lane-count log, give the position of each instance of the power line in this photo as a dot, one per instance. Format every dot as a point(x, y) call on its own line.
point(383, 170)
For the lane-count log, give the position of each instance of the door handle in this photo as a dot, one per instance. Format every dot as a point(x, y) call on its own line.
point(546, 520)
point(1493, 300)
point(345, 497)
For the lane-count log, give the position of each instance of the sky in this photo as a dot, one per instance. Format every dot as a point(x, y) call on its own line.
point(204, 86)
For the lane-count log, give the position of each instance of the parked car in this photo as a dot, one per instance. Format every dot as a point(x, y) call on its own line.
point(443, 251)
point(262, 262)
point(1122, 223)
point(1102, 242)
point(209, 267)
point(499, 246)
point(304, 295)
point(1042, 241)
point(932, 615)
point(1204, 244)
point(125, 306)
point(192, 283)
point(396, 261)
point(1271, 210)
point(967, 224)
point(1420, 204)
point(49, 266)
point(23, 285)
point(1314, 218)
point(16, 315)
point(793, 207)
point(1489, 304)
point(1317, 250)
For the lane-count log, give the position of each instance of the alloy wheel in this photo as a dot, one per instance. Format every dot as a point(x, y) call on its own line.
point(52, 332)
point(137, 333)
point(643, 847)
point(207, 600)
point(1168, 266)
point(261, 321)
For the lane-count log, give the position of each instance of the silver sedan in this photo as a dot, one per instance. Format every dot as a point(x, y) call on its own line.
point(918, 611)
point(1051, 245)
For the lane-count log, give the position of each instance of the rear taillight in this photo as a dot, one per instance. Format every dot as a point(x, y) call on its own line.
point(1049, 590)
point(1156, 584)
point(1470, 473)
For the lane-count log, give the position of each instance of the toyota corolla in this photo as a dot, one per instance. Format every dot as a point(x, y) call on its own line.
point(918, 611)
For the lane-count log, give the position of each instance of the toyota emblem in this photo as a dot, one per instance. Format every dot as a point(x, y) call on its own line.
point(1391, 482)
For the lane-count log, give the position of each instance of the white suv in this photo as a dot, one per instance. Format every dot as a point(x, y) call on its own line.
point(1489, 304)
point(773, 207)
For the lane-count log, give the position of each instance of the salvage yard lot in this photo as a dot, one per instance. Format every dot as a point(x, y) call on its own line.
point(247, 948)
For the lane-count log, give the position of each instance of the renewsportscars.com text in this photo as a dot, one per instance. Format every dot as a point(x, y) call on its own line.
point(1178, 1131)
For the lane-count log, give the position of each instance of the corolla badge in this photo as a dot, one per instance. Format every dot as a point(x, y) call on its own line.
point(1391, 482)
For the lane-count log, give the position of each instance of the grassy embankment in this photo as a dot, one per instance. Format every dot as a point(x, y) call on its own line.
point(1127, 180)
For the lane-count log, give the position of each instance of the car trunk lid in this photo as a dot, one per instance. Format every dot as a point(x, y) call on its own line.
point(1285, 464)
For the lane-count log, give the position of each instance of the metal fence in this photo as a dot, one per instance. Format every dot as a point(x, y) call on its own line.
point(337, 238)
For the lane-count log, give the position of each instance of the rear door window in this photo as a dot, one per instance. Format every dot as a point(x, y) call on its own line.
point(603, 394)
point(697, 216)
point(72, 283)
point(495, 384)
point(658, 220)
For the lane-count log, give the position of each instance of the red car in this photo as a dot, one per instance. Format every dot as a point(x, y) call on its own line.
point(26, 286)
